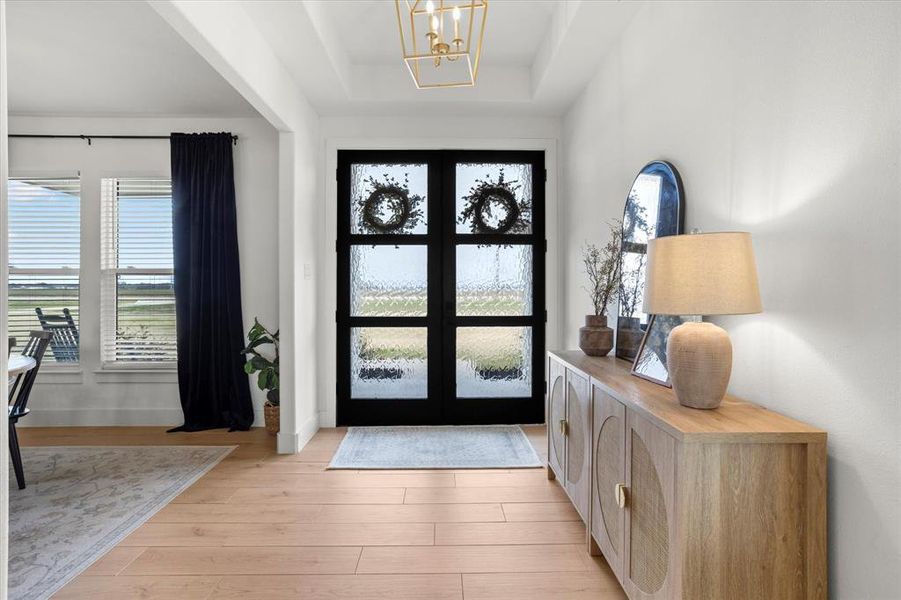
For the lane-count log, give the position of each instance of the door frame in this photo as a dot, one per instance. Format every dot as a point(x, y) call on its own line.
point(407, 411)
point(497, 410)
point(326, 272)
point(442, 405)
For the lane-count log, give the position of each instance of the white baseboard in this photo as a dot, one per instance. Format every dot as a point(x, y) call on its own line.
point(286, 443)
point(307, 431)
point(327, 418)
point(292, 443)
point(101, 417)
point(81, 417)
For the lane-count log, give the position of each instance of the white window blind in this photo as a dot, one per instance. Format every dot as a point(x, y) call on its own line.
point(137, 309)
point(44, 258)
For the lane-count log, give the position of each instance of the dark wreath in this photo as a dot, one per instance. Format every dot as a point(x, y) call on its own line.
point(488, 196)
point(393, 197)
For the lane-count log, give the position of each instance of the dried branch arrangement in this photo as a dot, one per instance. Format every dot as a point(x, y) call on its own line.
point(602, 268)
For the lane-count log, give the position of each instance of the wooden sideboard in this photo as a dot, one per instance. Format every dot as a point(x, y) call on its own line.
point(684, 503)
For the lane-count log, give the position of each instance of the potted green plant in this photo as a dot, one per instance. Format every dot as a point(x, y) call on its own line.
point(602, 268)
point(266, 368)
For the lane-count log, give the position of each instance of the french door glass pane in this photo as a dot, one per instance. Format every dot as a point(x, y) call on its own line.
point(494, 280)
point(517, 178)
point(374, 187)
point(388, 281)
point(388, 362)
point(494, 362)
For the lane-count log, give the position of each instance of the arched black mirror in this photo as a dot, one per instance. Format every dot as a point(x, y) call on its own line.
point(654, 208)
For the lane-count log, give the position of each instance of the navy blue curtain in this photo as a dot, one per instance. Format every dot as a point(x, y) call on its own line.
point(212, 385)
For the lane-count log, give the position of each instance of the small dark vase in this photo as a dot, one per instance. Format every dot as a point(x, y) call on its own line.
point(628, 337)
point(596, 339)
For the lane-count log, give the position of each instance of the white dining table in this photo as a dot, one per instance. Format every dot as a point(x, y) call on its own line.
point(17, 365)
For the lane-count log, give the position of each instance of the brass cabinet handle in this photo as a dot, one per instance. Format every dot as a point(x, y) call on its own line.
point(619, 492)
point(563, 427)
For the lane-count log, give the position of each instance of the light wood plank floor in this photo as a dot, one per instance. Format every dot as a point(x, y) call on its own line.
point(266, 526)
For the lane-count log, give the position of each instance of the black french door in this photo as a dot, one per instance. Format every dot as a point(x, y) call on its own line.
point(441, 261)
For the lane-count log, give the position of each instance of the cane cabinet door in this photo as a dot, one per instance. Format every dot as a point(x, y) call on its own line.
point(650, 511)
point(608, 517)
point(578, 441)
point(556, 417)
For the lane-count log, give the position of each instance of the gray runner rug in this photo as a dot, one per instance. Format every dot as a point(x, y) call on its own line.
point(445, 447)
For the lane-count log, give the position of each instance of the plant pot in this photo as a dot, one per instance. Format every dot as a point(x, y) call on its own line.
point(272, 415)
point(628, 337)
point(596, 339)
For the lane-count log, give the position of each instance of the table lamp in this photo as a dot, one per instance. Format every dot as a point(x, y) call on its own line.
point(701, 274)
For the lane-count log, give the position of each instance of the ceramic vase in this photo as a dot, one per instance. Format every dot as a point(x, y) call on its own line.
point(596, 339)
point(699, 360)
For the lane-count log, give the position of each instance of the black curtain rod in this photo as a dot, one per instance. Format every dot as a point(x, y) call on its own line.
point(88, 138)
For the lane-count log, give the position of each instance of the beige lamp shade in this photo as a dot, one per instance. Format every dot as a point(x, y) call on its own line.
point(702, 274)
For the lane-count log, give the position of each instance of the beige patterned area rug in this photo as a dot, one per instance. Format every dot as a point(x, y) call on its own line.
point(81, 501)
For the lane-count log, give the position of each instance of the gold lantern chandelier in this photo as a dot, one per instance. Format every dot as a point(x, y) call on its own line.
point(441, 40)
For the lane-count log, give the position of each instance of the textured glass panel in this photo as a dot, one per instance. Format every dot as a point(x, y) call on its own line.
point(388, 362)
point(494, 362)
point(517, 177)
point(388, 281)
point(494, 280)
point(365, 178)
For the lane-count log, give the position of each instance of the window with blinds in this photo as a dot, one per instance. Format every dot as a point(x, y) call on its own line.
point(137, 308)
point(44, 258)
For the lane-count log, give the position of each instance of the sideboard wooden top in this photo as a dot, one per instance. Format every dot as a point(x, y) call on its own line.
point(734, 420)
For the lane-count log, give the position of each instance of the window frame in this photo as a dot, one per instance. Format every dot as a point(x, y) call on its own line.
point(109, 289)
point(65, 368)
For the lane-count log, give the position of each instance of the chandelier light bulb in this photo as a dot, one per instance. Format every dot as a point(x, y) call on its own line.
point(456, 13)
point(430, 7)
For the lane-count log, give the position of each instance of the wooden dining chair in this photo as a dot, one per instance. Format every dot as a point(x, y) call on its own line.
point(19, 392)
point(65, 340)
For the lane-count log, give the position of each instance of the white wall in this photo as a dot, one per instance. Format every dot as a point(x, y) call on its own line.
point(784, 120)
point(91, 397)
point(4, 467)
point(223, 34)
point(406, 133)
point(305, 277)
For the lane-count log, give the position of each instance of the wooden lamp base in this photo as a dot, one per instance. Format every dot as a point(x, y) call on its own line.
point(699, 359)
